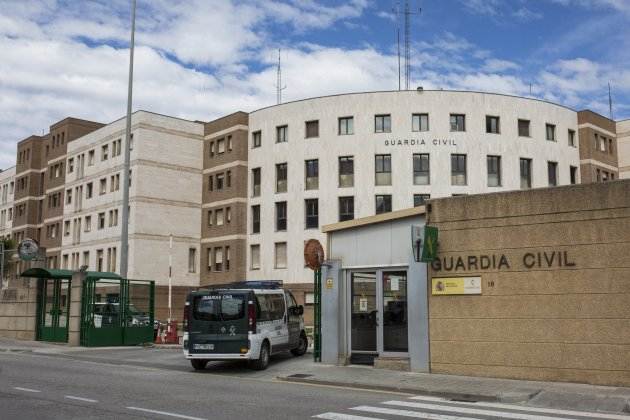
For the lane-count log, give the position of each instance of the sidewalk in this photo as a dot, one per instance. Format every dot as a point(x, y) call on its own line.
point(530, 393)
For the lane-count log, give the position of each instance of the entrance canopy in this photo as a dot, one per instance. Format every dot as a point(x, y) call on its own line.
point(52, 273)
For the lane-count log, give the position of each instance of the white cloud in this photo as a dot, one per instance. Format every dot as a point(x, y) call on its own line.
point(496, 65)
point(525, 14)
point(482, 7)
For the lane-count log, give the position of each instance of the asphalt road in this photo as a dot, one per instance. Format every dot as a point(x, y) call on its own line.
point(34, 386)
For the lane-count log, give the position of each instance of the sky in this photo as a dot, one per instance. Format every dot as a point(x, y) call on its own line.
point(202, 59)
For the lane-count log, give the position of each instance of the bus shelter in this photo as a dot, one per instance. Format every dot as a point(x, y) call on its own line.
point(92, 309)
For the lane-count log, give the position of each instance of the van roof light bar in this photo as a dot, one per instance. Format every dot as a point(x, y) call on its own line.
point(252, 284)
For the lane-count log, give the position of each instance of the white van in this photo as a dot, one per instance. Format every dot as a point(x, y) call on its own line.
point(242, 321)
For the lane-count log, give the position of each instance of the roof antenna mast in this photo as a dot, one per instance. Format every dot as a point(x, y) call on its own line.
point(408, 13)
point(396, 10)
point(279, 87)
point(610, 103)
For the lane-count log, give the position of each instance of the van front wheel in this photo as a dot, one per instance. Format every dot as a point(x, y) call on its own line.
point(302, 346)
point(263, 359)
point(198, 364)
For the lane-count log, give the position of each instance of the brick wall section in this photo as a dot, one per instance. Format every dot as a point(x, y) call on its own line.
point(18, 310)
point(565, 323)
point(591, 151)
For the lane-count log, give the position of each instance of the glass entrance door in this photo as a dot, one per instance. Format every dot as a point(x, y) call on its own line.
point(378, 313)
point(55, 305)
point(395, 311)
point(364, 313)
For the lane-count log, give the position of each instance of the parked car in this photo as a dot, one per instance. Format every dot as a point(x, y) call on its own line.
point(242, 321)
point(110, 313)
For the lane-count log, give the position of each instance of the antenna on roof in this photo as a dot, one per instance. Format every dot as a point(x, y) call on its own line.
point(279, 87)
point(610, 105)
point(408, 13)
point(530, 89)
point(396, 10)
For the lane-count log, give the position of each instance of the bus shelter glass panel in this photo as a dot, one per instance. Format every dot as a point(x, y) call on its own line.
point(395, 311)
point(364, 315)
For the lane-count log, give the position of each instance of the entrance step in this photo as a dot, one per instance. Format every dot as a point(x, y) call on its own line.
point(362, 359)
point(392, 363)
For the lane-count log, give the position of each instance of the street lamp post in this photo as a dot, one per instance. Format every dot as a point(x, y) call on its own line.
point(124, 235)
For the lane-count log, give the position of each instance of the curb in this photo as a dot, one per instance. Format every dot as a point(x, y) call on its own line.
point(457, 396)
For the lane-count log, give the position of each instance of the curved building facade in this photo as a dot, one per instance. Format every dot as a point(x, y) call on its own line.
point(323, 160)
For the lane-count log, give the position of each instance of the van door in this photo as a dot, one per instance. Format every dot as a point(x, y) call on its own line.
point(272, 320)
point(218, 323)
point(293, 324)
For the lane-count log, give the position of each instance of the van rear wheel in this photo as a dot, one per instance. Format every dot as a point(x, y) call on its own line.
point(198, 364)
point(263, 359)
point(300, 350)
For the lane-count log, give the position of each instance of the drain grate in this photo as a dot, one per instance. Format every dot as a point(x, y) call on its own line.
point(300, 375)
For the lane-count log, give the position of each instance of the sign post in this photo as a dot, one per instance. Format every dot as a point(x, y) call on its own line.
point(314, 258)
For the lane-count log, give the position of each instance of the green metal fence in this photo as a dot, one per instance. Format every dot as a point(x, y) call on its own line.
point(117, 312)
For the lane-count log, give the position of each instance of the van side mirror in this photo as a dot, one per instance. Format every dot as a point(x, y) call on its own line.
point(300, 310)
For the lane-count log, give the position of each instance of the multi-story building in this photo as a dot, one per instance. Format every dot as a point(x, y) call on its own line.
point(164, 199)
point(7, 185)
point(598, 147)
point(239, 195)
point(623, 148)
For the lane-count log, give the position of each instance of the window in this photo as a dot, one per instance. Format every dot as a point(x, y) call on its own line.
point(66, 228)
point(526, 173)
point(103, 186)
point(218, 217)
point(573, 174)
point(89, 190)
point(116, 182)
point(227, 258)
point(552, 173)
point(228, 214)
point(346, 208)
point(211, 149)
point(192, 260)
point(117, 147)
point(256, 139)
point(254, 257)
point(281, 255)
point(420, 199)
point(311, 169)
point(346, 171)
point(383, 169)
point(219, 178)
point(69, 196)
point(494, 171)
point(229, 146)
point(282, 134)
point(104, 152)
point(571, 138)
point(523, 128)
point(312, 129)
point(458, 122)
point(492, 124)
point(70, 165)
point(311, 213)
point(551, 132)
point(610, 146)
point(602, 144)
point(256, 219)
point(281, 178)
point(228, 179)
point(420, 122)
point(220, 146)
point(210, 220)
point(281, 216)
point(218, 259)
point(255, 182)
point(99, 260)
point(210, 183)
point(383, 204)
point(86, 258)
point(421, 169)
point(88, 223)
point(383, 123)
point(91, 158)
point(458, 169)
point(101, 220)
point(346, 126)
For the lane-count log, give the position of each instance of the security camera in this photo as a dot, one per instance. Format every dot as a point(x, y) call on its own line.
point(419, 89)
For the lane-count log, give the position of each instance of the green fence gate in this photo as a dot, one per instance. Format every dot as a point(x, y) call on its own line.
point(117, 312)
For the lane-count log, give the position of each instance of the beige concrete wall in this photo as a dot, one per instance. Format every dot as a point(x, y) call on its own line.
point(18, 310)
point(566, 319)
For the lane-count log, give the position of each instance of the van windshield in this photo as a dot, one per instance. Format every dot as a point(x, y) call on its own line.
point(219, 307)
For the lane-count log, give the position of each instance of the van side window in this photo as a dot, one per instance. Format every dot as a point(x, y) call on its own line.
point(263, 309)
point(291, 300)
point(278, 306)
